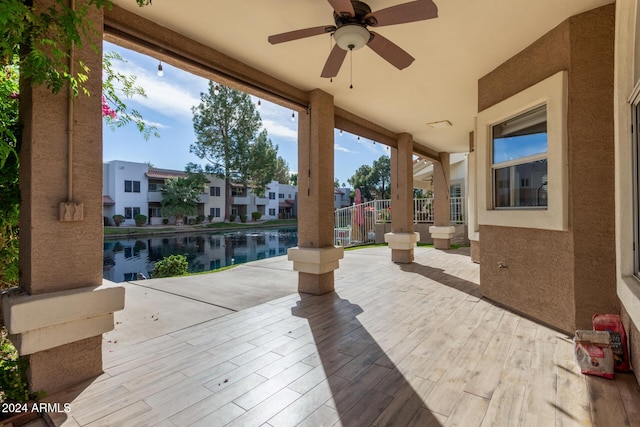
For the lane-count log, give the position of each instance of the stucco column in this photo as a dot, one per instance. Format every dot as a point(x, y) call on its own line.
point(402, 238)
point(442, 231)
point(61, 311)
point(316, 257)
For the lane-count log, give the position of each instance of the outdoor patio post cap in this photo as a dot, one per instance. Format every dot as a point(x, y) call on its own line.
point(315, 260)
point(442, 232)
point(23, 312)
point(402, 241)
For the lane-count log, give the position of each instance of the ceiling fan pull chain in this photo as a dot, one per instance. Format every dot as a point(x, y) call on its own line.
point(351, 70)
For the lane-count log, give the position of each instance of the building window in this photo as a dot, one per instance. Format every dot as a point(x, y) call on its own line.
point(272, 196)
point(154, 186)
point(214, 264)
point(519, 161)
point(281, 195)
point(130, 213)
point(272, 212)
point(214, 191)
point(155, 212)
point(131, 186)
point(214, 212)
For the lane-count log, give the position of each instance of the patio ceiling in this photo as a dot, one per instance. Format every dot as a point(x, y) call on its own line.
point(466, 41)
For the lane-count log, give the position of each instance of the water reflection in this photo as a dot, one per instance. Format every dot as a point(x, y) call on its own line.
point(123, 259)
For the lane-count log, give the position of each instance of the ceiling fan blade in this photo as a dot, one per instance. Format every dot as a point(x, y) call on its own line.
point(300, 34)
point(413, 11)
point(390, 51)
point(334, 62)
point(342, 6)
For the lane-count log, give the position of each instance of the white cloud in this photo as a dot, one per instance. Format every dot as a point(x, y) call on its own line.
point(156, 124)
point(279, 130)
point(164, 95)
point(338, 147)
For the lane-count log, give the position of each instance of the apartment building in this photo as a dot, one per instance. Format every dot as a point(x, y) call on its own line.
point(131, 188)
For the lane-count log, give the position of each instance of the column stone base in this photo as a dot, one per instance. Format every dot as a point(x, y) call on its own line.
point(442, 236)
point(402, 245)
point(315, 268)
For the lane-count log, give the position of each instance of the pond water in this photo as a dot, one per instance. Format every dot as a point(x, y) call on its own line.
point(125, 258)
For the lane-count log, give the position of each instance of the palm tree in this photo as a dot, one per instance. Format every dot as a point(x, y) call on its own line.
point(180, 198)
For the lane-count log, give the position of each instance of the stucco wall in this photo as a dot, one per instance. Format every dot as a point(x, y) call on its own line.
point(562, 278)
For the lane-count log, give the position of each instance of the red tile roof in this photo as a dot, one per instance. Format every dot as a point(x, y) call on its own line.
point(107, 201)
point(165, 173)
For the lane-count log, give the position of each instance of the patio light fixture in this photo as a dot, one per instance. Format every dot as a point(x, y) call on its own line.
point(293, 116)
point(351, 37)
point(160, 72)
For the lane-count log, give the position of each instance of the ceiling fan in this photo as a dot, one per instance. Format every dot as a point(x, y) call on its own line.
point(351, 33)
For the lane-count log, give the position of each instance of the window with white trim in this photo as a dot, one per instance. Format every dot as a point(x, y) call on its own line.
point(130, 213)
point(214, 191)
point(519, 161)
point(214, 212)
point(131, 186)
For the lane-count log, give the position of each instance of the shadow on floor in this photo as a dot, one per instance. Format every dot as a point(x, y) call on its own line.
point(439, 275)
point(365, 384)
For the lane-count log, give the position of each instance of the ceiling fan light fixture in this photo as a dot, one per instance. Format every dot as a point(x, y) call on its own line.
point(351, 37)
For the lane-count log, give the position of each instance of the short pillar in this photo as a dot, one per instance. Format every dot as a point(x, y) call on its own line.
point(316, 258)
point(441, 231)
point(402, 240)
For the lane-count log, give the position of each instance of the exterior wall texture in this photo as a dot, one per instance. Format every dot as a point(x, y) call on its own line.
point(563, 278)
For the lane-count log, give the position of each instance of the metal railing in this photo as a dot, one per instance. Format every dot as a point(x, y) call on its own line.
point(355, 225)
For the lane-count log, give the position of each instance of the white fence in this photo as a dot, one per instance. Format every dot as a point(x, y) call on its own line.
point(355, 225)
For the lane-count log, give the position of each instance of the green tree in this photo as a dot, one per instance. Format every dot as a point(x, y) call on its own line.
point(9, 191)
point(381, 177)
point(262, 163)
point(362, 180)
point(293, 179)
point(115, 86)
point(225, 123)
point(282, 174)
point(180, 196)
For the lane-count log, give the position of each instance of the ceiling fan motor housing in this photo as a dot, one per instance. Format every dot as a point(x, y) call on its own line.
point(351, 32)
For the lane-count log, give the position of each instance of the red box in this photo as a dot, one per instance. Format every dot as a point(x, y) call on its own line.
point(613, 324)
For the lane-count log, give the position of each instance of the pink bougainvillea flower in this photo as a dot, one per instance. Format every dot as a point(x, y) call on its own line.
point(107, 110)
point(14, 95)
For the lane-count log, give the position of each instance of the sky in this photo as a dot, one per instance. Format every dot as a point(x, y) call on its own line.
point(168, 107)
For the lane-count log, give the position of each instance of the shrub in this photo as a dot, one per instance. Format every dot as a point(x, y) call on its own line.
point(210, 218)
point(140, 220)
point(243, 218)
point(165, 221)
point(14, 385)
point(117, 220)
point(256, 215)
point(200, 219)
point(191, 221)
point(174, 265)
point(232, 218)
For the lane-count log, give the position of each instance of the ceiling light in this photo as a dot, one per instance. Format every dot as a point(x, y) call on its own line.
point(351, 37)
point(442, 124)
point(160, 72)
point(293, 116)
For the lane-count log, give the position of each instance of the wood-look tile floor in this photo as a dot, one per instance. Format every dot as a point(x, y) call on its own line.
point(395, 345)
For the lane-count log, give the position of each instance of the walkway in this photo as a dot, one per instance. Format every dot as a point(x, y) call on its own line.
point(395, 345)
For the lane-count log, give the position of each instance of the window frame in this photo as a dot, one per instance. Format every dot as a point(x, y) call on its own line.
point(132, 186)
point(551, 91)
point(524, 160)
